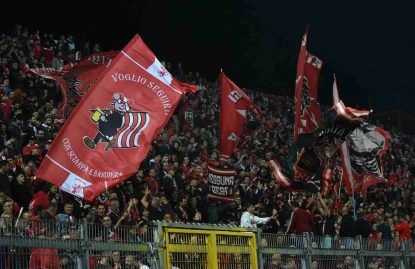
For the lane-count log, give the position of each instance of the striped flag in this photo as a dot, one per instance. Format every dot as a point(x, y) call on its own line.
point(280, 178)
point(347, 176)
point(133, 123)
point(349, 113)
point(344, 111)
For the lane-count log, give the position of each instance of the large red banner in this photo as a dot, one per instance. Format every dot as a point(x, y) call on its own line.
point(76, 79)
point(307, 111)
point(234, 106)
point(110, 131)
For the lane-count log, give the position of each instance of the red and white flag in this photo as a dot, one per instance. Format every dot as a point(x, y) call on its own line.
point(110, 131)
point(307, 111)
point(279, 175)
point(347, 176)
point(367, 143)
point(351, 114)
point(233, 112)
point(76, 79)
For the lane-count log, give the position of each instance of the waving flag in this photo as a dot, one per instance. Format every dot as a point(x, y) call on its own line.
point(368, 143)
point(111, 130)
point(347, 175)
point(280, 177)
point(307, 111)
point(76, 79)
point(361, 154)
point(233, 111)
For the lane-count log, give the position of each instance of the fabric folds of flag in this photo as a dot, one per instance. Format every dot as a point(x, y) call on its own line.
point(361, 154)
point(75, 79)
point(234, 106)
point(307, 111)
point(368, 144)
point(350, 114)
point(111, 130)
point(279, 175)
point(133, 124)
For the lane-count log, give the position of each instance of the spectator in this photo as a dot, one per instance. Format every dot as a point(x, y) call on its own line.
point(384, 229)
point(21, 193)
point(181, 210)
point(403, 228)
point(101, 213)
point(66, 219)
point(301, 220)
point(5, 184)
point(114, 210)
point(249, 220)
point(347, 223)
point(177, 164)
point(362, 227)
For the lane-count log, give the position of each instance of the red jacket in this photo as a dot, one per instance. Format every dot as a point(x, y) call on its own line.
point(153, 184)
point(44, 258)
point(301, 222)
point(404, 230)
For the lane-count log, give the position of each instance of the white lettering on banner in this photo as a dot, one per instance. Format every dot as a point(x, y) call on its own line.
point(221, 180)
point(150, 84)
point(221, 185)
point(234, 96)
point(83, 167)
point(223, 191)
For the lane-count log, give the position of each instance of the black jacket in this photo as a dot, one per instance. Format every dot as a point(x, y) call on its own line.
point(362, 228)
point(347, 226)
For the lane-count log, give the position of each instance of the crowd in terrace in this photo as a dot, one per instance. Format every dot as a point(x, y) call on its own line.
point(171, 184)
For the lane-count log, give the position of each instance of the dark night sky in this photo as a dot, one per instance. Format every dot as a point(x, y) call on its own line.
point(368, 44)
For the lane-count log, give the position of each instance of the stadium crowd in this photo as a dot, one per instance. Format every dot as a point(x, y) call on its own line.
point(171, 184)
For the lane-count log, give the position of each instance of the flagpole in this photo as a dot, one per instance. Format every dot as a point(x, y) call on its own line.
point(336, 99)
point(353, 202)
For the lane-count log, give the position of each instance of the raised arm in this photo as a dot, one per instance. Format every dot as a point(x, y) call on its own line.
point(144, 201)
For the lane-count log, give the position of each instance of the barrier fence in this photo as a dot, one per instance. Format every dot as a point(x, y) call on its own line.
point(67, 245)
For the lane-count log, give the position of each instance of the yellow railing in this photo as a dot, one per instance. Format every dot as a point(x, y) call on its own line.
point(212, 249)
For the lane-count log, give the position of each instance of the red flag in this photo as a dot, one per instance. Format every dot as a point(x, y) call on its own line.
point(76, 79)
point(233, 111)
point(307, 112)
point(369, 180)
point(110, 131)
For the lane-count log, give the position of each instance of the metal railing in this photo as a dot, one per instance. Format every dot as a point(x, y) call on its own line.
point(78, 244)
point(325, 252)
point(74, 244)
